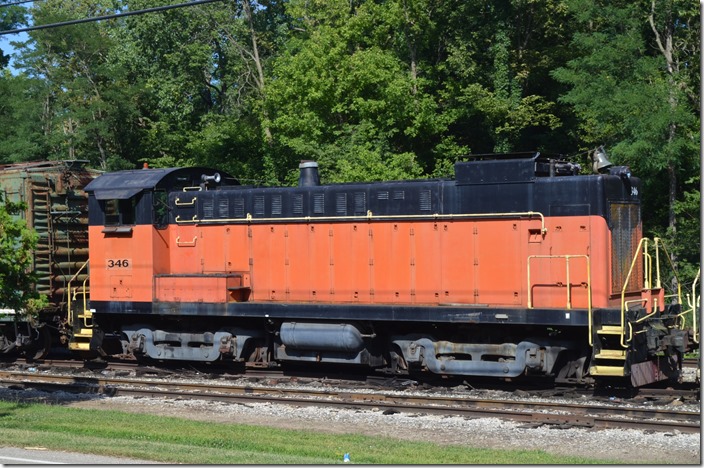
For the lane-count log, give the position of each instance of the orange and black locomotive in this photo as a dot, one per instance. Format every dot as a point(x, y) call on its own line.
point(517, 266)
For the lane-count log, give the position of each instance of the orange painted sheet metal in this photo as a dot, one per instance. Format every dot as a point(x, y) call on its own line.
point(453, 262)
point(121, 264)
point(200, 288)
point(600, 264)
point(349, 248)
point(187, 253)
point(499, 262)
point(304, 282)
point(161, 257)
point(559, 281)
point(393, 269)
point(468, 261)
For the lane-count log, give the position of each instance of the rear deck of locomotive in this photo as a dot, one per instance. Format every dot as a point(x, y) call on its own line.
point(516, 266)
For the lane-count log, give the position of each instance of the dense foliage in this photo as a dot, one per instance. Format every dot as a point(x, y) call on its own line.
point(370, 89)
point(16, 244)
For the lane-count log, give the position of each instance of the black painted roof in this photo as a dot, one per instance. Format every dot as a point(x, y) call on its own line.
point(125, 184)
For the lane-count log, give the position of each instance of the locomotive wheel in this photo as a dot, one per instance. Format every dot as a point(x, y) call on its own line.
point(40, 347)
point(7, 346)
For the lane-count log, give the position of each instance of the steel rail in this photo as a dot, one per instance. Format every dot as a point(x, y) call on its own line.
point(690, 362)
point(536, 413)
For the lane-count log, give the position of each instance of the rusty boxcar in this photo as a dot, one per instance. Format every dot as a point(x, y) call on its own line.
point(56, 207)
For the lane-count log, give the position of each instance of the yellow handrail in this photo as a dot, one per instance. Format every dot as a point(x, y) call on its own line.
point(178, 202)
point(625, 285)
point(647, 266)
point(693, 301)
point(186, 243)
point(657, 263)
point(85, 305)
point(648, 280)
point(69, 316)
point(370, 216)
point(674, 272)
point(569, 285)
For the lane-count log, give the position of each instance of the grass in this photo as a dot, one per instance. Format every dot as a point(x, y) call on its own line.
point(175, 440)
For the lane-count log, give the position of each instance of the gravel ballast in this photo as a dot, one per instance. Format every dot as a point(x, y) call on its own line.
point(627, 446)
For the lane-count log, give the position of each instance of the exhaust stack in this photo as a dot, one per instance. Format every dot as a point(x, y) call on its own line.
point(309, 174)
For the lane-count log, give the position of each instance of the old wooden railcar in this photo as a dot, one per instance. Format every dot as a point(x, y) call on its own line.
point(56, 208)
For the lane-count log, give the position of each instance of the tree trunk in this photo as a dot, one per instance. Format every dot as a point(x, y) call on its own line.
point(412, 51)
point(664, 41)
point(258, 63)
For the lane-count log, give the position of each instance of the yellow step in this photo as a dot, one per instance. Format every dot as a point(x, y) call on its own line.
point(79, 346)
point(610, 330)
point(607, 371)
point(611, 354)
point(85, 332)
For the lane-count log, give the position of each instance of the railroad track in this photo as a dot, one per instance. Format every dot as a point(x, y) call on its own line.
point(686, 392)
point(528, 412)
point(165, 368)
point(690, 362)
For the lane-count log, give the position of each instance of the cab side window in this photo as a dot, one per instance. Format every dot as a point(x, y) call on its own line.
point(119, 212)
point(160, 208)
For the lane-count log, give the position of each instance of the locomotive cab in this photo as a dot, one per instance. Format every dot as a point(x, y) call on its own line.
point(130, 240)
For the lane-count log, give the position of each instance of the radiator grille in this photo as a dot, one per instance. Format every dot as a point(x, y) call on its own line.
point(298, 204)
point(625, 234)
point(239, 207)
point(276, 205)
point(319, 203)
point(426, 203)
point(223, 208)
point(208, 206)
point(341, 205)
point(259, 205)
point(360, 203)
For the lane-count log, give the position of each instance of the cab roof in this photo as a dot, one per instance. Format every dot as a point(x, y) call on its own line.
point(122, 185)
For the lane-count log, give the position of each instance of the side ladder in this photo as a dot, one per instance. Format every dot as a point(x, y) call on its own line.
point(608, 357)
point(80, 320)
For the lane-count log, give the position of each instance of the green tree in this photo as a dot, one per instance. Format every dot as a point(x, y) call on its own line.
point(203, 71)
point(87, 111)
point(633, 89)
point(422, 82)
point(11, 16)
point(350, 91)
point(16, 246)
point(21, 131)
point(495, 78)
